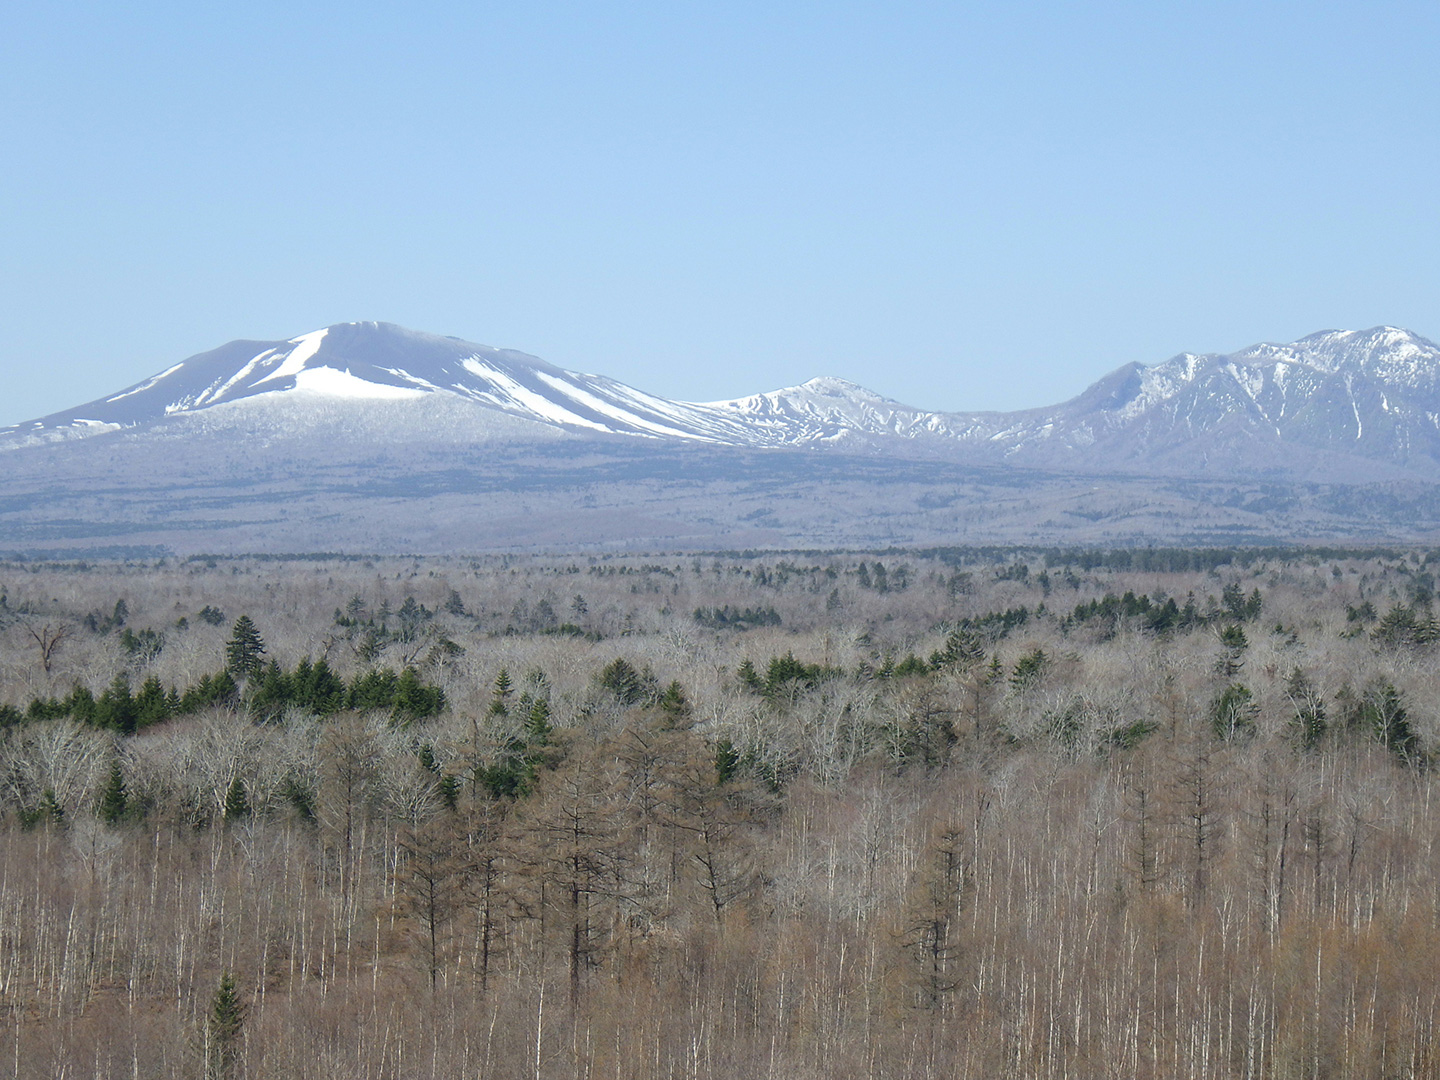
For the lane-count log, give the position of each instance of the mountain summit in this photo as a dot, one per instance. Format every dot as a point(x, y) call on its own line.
point(380, 362)
point(1347, 400)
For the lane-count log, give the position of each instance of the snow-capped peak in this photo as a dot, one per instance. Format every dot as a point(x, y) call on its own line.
point(1386, 351)
point(830, 386)
point(383, 362)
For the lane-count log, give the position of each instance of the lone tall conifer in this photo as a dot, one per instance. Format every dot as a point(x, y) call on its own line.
point(222, 1029)
point(114, 799)
point(244, 649)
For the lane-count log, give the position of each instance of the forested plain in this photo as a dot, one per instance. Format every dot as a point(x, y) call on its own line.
point(945, 813)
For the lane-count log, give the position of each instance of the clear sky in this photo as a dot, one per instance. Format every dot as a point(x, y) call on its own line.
point(960, 205)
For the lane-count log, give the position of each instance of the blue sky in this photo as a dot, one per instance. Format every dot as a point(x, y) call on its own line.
point(961, 205)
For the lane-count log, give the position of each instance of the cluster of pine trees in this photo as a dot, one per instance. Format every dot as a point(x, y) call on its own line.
point(246, 682)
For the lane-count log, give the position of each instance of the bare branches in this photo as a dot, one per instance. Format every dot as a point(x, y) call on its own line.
point(48, 640)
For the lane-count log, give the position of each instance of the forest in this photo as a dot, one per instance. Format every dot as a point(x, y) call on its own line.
point(956, 812)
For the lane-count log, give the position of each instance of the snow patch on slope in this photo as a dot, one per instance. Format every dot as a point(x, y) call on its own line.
point(329, 382)
point(212, 395)
point(526, 398)
point(306, 346)
point(147, 384)
point(605, 408)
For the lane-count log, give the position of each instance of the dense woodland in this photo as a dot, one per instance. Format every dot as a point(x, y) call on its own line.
point(951, 813)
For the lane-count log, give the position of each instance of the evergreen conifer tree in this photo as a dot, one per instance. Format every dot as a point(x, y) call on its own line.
point(412, 699)
point(500, 703)
point(1233, 712)
point(222, 1029)
point(675, 705)
point(81, 704)
point(114, 800)
point(1384, 711)
point(152, 704)
point(537, 724)
point(50, 808)
point(116, 707)
point(237, 802)
point(727, 761)
point(244, 649)
point(1233, 644)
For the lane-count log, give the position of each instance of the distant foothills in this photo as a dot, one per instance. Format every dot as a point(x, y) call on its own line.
point(1334, 436)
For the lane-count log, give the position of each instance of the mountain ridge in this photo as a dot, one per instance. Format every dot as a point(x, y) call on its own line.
point(372, 438)
point(1367, 397)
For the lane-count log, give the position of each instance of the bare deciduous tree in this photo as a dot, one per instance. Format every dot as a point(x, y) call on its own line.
point(48, 640)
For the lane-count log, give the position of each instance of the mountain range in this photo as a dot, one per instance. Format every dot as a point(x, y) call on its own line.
point(278, 424)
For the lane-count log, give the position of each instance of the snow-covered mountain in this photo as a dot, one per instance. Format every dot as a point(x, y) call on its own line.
point(1364, 397)
point(1371, 395)
point(366, 363)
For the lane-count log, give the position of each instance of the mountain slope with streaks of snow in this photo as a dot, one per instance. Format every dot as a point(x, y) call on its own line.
point(369, 362)
point(1335, 400)
point(1372, 395)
